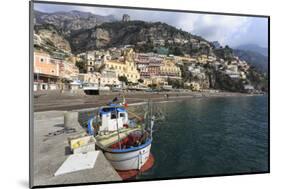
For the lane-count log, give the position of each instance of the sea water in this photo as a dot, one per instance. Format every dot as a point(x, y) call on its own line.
point(211, 136)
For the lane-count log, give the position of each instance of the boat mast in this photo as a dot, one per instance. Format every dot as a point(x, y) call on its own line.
point(146, 115)
point(150, 119)
point(117, 127)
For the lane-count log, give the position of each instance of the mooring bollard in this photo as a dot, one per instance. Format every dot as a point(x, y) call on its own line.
point(71, 120)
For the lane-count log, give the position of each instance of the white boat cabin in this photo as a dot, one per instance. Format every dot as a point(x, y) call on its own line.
point(113, 117)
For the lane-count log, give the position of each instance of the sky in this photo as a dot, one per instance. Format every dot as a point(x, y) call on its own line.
point(227, 30)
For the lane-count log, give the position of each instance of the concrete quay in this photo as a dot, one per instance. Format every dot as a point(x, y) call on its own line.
point(51, 149)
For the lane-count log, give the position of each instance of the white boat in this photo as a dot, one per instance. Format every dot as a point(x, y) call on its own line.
point(130, 157)
point(126, 143)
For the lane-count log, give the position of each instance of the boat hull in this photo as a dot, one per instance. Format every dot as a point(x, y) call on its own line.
point(129, 159)
point(130, 174)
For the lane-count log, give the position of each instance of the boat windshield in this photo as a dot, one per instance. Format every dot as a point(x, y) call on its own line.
point(111, 109)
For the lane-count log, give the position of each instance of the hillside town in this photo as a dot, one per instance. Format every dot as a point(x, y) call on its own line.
point(127, 68)
point(122, 68)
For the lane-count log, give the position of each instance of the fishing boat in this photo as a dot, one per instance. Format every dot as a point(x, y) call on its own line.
point(126, 142)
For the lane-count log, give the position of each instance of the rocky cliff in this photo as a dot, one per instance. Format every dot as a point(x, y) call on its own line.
point(48, 37)
point(68, 22)
point(145, 36)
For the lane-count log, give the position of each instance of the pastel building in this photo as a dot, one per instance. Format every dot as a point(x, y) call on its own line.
point(95, 60)
point(105, 78)
point(148, 64)
point(169, 69)
point(124, 66)
point(46, 72)
point(52, 73)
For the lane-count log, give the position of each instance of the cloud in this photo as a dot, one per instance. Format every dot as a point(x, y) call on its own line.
point(225, 29)
point(228, 30)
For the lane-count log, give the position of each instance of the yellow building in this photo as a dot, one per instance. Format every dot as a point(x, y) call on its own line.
point(106, 78)
point(147, 81)
point(125, 66)
point(169, 69)
point(194, 86)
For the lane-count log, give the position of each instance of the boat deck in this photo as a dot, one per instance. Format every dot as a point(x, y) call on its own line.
point(107, 140)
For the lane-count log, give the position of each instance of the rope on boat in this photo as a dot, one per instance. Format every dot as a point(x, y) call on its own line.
point(137, 116)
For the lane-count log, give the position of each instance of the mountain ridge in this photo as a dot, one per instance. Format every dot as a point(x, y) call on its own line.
point(254, 48)
point(133, 33)
point(69, 21)
point(255, 59)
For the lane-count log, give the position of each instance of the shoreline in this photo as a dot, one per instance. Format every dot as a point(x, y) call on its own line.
point(71, 101)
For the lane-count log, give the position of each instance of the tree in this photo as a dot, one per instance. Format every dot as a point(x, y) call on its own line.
point(140, 80)
point(178, 51)
point(81, 66)
point(153, 86)
point(175, 83)
point(123, 79)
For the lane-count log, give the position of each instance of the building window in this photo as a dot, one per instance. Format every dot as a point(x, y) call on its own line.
point(42, 59)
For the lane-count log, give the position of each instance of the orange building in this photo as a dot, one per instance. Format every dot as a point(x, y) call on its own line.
point(46, 72)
